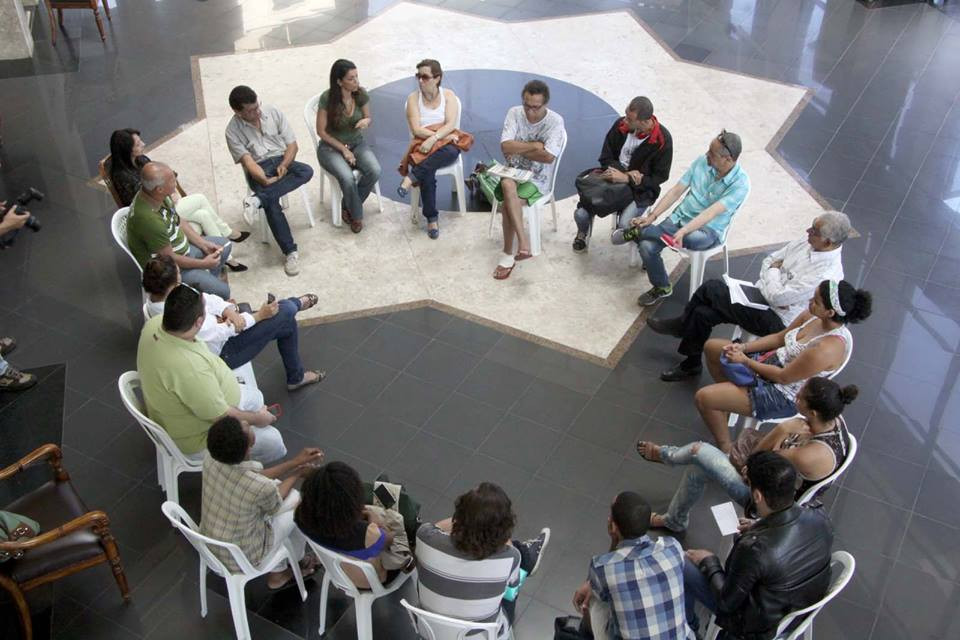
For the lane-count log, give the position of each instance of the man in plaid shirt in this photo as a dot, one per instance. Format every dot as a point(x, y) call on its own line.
point(248, 505)
point(636, 589)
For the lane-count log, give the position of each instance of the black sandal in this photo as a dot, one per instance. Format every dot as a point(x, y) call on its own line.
point(243, 236)
point(237, 267)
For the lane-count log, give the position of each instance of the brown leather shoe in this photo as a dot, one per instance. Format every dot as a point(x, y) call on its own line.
point(355, 225)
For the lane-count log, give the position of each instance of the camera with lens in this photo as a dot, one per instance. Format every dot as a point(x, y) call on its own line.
point(33, 223)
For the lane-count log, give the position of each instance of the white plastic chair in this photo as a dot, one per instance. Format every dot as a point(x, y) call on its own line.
point(749, 422)
point(811, 493)
point(531, 213)
point(310, 119)
point(171, 462)
point(258, 219)
point(698, 263)
point(363, 598)
point(118, 226)
point(235, 581)
point(433, 626)
point(842, 565)
point(454, 169)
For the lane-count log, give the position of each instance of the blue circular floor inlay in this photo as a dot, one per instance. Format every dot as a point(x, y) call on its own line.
point(485, 96)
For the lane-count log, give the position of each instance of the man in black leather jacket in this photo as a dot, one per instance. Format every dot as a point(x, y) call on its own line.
point(779, 563)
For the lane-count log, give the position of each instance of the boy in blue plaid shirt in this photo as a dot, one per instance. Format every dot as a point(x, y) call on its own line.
point(636, 589)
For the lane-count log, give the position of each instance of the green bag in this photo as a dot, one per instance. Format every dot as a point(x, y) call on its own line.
point(15, 527)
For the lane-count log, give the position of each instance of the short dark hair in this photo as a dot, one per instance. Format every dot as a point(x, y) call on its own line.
point(159, 274)
point(641, 106)
point(631, 514)
point(857, 304)
point(435, 69)
point(182, 308)
point(242, 95)
point(537, 88)
point(774, 477)
point(226, 441)
point(332, 502)
point(483, 521)
point(826, 397)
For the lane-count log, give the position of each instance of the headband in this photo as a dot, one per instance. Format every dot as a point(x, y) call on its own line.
point(835, 298)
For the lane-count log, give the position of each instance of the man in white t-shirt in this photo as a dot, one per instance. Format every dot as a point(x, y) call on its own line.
point(532, 138)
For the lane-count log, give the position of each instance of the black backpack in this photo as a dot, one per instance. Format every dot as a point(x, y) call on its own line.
point(599, 197)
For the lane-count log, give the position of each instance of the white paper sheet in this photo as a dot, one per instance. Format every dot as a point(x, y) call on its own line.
point(726, 517)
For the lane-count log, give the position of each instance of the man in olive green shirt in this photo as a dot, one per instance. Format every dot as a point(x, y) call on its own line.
point(187, 388)
point(154, 228)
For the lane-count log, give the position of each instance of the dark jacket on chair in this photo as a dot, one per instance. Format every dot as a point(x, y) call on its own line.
point(779, 565)
point(649, 159)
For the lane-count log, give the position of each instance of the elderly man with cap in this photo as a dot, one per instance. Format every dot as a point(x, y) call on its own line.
point(715, 185)
point(638, 152)
point(788, 278)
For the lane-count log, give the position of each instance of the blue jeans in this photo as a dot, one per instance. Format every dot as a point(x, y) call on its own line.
point(651, 246)
point(208, 280)
point(708, 464)
point(4, 365)
point(354, 192)
point(583, 218)
point(696, 589)
point(298, 174)
point(425, 174)
point(244, 347)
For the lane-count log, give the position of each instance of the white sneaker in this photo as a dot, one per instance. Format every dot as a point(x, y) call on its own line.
point(291, 264)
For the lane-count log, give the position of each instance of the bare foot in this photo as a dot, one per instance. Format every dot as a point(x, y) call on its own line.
point(649, 451)
point(658, 521)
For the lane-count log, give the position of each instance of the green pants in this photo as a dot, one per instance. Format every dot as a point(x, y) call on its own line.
point(490, 185)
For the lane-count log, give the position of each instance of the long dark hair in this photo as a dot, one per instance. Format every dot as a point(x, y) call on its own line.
point(483, 521)
point(828, 398)
point(857, 304)
point(121, 146)
point(338, 71)
point(332, 502)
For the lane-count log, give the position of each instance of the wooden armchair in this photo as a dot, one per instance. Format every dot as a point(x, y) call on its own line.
point(60, 5)
point(72, 538)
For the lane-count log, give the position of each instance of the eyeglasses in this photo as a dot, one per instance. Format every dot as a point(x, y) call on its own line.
point(723, 142)
point(422, 77)
point(533, 107)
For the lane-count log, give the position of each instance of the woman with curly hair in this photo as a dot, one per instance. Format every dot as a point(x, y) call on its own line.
point(332, 513)
point(469, 568)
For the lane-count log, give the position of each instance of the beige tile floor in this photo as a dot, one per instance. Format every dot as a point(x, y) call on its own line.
point(584, 304)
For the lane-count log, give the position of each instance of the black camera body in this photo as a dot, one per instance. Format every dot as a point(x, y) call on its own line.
point(33, 223)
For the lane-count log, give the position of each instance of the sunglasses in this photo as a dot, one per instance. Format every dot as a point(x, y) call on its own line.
point(723, 142)
point(422, 76)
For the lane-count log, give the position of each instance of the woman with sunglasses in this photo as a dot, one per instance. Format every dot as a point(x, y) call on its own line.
point(432, 114)
point(816, 343)
point(342, 115)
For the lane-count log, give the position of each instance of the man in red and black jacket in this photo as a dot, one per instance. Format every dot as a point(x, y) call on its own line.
point(637, 151)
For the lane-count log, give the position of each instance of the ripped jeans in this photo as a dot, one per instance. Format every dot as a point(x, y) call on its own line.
point(706, 465)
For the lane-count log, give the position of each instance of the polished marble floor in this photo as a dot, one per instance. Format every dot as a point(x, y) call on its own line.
point(880, 138)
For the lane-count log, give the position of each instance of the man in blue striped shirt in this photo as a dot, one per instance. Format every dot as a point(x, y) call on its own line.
point(636, 589)
point(715, 186)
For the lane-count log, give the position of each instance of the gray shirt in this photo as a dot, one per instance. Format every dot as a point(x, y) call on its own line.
point(244, 138)
point(549, 131)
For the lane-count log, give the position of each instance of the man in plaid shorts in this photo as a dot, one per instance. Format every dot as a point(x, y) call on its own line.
point(636, 589)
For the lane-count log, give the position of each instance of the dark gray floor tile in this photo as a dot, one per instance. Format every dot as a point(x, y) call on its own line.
point(609, 426)
point(932, 547)
point(322, 416)
point(430, 461)
point(521, 442)
point(392, 345)
point(550, 404)
point(921, 604)
point(375, 436)
point(884, 477)
point(469, 336)
point(411, 399)
point(581, 465)
point(862, 522)
point(91, 427)
point(482, 468)
point(443, 365)
point(939, 494)
point(359, 379)
point(464, 420)
point(569, 515)
point(92, 625)
point(495, 384)
point(842, 620)
point(347, 334)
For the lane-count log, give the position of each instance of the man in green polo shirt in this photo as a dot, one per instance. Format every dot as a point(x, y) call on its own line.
point(154, 228)
point(187, 388)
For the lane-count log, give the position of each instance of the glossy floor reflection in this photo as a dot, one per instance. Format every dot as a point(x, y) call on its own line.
point(880, 138)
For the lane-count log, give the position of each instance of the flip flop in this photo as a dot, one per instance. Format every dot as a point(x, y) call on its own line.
point(306, 573)
point(7, 345)
point(648, 456)
point(321, 375)
point(522, 255)
point(502, 273)
point(663, 522)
